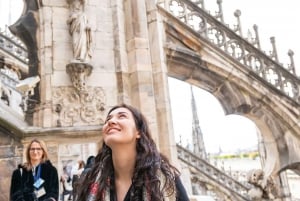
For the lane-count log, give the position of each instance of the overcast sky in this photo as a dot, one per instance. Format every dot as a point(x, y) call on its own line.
point(5, 6)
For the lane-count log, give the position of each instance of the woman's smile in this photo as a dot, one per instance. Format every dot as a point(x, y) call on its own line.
point(112, 130)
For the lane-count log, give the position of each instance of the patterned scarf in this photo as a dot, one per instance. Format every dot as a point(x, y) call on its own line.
point(146, 196)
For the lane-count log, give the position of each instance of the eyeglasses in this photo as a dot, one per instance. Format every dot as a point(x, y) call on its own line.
point(35, 149)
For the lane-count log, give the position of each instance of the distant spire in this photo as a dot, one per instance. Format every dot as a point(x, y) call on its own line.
point(198, 142)
point(219, 14)
point(291, 66)
point(238, 26)
point(273, 53)
point(256, 40)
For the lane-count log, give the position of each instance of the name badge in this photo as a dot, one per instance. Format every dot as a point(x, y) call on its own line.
point(39, 193)
point(38, 183)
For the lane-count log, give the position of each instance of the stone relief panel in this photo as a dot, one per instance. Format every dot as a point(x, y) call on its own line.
point(72, 108)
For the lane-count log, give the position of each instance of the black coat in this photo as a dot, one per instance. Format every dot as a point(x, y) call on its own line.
point(22, 188)
point(181, 194)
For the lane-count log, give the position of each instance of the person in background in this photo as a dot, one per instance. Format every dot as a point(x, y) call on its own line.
point(37, 178)
point(89, 164)
point(76, 176)
point(66, 181)
point(129, 166)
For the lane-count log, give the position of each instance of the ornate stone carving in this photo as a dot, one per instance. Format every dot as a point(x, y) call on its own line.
point(78, 73)
point(263, 187)
point(72, 108)
point(5, 94)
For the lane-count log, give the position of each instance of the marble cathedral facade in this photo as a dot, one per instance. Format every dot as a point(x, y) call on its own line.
point(86, 56)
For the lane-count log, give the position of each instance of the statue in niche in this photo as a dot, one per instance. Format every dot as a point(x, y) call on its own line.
point(80, 31)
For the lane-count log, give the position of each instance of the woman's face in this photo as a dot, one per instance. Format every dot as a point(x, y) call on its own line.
point(35, 152)
point(120, 129)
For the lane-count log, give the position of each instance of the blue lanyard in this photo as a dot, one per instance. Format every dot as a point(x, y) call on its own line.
point(38, 175)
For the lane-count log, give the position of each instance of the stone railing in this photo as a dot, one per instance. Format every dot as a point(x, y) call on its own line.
point(12, 46)
point(245, 51)
point(211, 172)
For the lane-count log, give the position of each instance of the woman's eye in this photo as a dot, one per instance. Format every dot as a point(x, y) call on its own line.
point(106, 120)
point(122, 116)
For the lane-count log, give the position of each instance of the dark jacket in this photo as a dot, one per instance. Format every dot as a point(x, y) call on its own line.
point(22, 188)
point(181, 194)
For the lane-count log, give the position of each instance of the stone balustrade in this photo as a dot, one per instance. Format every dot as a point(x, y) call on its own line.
point(12, 46)
point(246, 51)
point(218, 176)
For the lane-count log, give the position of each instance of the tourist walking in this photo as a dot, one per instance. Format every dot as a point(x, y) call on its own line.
point(66, 181)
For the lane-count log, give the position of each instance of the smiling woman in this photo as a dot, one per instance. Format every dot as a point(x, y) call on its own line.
point(129, 165)
point(37, 178)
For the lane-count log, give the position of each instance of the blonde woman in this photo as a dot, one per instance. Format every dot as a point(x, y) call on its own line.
point(37, 178)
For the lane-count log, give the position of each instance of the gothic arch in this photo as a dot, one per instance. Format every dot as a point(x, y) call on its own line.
point(237, 96)
point(26, 29)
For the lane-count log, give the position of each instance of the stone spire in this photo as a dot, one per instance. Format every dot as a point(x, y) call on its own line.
point(198, 142)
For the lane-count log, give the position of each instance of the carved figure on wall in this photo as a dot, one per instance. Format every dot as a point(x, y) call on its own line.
point(86, 108)
point(79, 30)
point(78, 73)
point(263, 187)
point(5, 94)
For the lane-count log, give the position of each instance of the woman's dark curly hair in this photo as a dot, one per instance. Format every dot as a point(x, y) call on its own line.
point(150, 163)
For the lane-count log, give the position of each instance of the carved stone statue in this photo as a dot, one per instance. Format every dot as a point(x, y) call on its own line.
point(5, 94)
point(80, 30)
point(263, 187)
point(78, 73)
